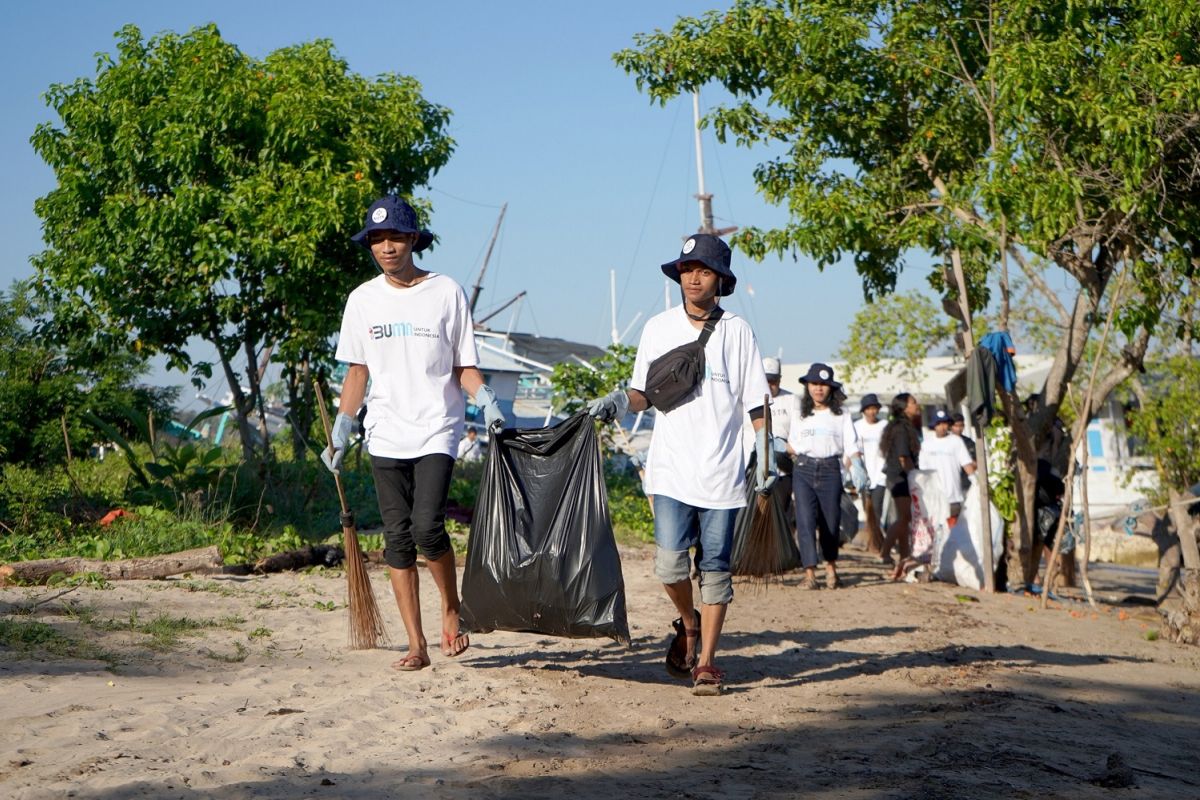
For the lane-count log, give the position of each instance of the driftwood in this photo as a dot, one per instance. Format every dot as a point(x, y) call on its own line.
point(321, 555)
point(40, 571)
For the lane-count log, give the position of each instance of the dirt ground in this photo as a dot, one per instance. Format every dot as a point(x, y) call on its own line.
point(877, 690)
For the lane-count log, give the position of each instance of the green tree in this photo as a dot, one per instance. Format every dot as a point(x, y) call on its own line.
point(978, 133)
point(46, 390)
point(204, 194)
point(904, 328)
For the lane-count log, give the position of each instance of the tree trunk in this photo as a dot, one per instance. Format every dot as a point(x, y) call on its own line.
point(1020, 553)
point(240, 406)
point(1179, 605)
point(39, 572)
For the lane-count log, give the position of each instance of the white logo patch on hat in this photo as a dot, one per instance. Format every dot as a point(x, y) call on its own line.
point(379, 215)
point(824, 374)
point(689, 246)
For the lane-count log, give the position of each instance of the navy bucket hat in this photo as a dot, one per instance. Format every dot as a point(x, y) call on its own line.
point(869, 400)
point(709, 250)
point(390, 213)
point(940, 416)
point(821, 373)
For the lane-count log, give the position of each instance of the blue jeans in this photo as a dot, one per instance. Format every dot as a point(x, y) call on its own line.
point(678, 527)
point(817, 484)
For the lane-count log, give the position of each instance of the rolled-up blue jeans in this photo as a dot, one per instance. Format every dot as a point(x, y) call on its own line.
point(817, 484)
point(679, 527)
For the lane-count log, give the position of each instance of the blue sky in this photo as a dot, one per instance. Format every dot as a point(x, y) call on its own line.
point(595, 176)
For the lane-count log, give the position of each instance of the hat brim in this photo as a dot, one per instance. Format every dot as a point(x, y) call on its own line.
point(728, 279)
point(837, 387)
point(424, 238)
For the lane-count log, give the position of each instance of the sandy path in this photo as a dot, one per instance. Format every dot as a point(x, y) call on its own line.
point(874, 691)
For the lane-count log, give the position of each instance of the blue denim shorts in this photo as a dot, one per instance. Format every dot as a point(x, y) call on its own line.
point(679, 526)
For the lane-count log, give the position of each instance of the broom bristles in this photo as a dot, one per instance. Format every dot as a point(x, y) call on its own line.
point(366, 621)
point(762, 558)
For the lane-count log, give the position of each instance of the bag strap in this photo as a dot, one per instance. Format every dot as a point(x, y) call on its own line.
point(709, 325)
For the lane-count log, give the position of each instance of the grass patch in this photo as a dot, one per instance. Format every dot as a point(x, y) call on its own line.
point(259, 633)
point(236, 657)
point(27, 636)
point(165, 631)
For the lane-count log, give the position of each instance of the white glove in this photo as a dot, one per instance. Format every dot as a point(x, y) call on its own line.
point(613, 406)
point(332, 457)
point(764, 453)
point(493, 417)
point(858, 474)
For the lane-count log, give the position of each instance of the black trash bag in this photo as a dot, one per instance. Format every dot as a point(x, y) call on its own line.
point(541, 557)
point(763, 545)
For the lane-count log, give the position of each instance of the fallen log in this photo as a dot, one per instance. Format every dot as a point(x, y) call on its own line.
point(40, 571)
point(321, 555)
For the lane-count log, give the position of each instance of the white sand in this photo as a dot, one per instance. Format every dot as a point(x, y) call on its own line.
point(877, 690)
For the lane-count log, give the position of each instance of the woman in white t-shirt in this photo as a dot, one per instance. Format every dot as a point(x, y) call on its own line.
point(821, 440)
point(409, 332)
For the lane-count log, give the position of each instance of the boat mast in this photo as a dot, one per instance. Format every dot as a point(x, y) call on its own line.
point(705, 198)
point(478, 287)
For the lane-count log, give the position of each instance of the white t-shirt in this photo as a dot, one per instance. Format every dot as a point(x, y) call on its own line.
point(823, 434)
point(695, 453)
point(869, 435)
point(410, 340)
point(946, 455)
point(470, 450)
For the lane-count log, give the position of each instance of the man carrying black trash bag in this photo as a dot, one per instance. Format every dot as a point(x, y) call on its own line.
point(410, 332)
point(694, 468)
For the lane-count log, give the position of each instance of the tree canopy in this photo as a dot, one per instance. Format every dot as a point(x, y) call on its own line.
point(204, 193)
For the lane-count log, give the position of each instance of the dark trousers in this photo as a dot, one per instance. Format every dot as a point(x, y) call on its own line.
point(817, 486)
point(412, 496)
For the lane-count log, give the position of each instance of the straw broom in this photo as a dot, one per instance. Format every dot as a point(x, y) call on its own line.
point(366, 622)
point(765, 552)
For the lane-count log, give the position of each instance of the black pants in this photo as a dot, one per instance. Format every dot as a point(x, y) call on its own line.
point(817, 484)
point(412, 496)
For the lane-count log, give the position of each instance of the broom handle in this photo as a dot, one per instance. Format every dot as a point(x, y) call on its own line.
point(765, 467)
point(337, 479)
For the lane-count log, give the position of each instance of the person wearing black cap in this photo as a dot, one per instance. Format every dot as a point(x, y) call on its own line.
point(823, 439)
point(409, 331)
point(946, 454)
point(694, 467)
point(870, 431)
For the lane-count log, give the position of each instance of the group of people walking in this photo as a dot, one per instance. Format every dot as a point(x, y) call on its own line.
point(409, 331)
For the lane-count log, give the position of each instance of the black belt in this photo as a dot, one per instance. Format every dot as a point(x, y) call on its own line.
point(802, 458)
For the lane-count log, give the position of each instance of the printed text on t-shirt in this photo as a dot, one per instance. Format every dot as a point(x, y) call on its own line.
point(390, 329)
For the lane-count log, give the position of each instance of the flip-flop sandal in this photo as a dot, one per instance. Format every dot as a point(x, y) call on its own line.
point(707, 681)
point(448, 644)
point(678, 664)
point(411, 663)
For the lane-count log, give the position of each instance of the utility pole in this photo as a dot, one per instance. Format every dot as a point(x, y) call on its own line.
point(478, 287)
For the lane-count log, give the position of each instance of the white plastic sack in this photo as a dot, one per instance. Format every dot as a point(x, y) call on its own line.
point(957, 557)
point(930, 513)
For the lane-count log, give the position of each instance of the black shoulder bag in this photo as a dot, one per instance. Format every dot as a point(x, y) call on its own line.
point(673, 377)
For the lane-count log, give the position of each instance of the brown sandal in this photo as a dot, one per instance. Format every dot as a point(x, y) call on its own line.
point(679, 665)
point(707, 681)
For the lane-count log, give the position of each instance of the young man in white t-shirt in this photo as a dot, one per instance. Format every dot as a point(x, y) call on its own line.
point(409, 331)
point(694, 468)
point(870, 431)
point(947, 455)
point(470, 448)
